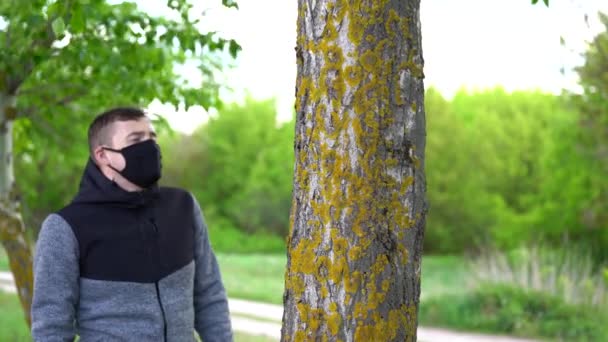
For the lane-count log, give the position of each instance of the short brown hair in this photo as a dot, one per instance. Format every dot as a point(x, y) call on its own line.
point(98, 130)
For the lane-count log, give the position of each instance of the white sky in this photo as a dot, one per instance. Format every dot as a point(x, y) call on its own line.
point(473, 44)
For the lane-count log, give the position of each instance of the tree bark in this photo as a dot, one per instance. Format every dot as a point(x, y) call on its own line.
point(359, 205)
point(12, 230)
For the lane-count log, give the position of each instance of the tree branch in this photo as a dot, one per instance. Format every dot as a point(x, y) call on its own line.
point(8, 219)
point(72, 97)
point(78, 93)
point(8, 34)
point(44, 89)
point(46, 43)
point(44, 125)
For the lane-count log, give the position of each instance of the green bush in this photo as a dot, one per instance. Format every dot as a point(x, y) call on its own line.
point(569, 273)
point(225, 238)
point(592, 104)
point(510, 310)
point(239, 166)
point(504, 169)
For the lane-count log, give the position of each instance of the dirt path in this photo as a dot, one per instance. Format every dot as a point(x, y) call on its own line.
point(275, 312)
point(265, 320)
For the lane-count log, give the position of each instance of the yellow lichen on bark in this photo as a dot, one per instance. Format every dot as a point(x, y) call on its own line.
point(347, 175)
point(14, 241)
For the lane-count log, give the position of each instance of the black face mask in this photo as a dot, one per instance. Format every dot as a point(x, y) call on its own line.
point(143, 163)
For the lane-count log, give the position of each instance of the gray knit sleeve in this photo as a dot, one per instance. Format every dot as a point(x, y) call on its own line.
point(56, 282)
point(212, 317)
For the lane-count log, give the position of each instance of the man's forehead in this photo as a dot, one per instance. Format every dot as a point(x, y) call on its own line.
point(118, 131)
point(129, 126)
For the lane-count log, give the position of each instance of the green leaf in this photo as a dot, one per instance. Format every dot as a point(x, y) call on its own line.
point(77, 22)
point(232, 3)
point(234, 48)
point(58, 26)
point(53, 9)
point(36, 20)
point(546, 2)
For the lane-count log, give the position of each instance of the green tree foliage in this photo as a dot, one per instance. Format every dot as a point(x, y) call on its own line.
point(47, 173)
point(61, 62)
point(68, 60)
point(239, 165)
point(592, 104)
point(511, 133)
point(504, 169)
point(459, 214)
point(546, 2)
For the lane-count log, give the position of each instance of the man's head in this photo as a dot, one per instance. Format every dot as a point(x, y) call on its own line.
point(122, 144)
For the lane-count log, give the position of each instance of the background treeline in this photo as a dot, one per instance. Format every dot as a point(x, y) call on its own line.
point(504, 170)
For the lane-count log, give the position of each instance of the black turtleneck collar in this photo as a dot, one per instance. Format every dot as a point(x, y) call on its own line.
point(96, 188)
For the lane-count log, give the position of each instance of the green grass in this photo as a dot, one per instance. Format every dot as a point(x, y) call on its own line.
point(3, 260)
point(255, 277)
point(227, 239)
point(260, 277)
point(568, 273)
point(510, 310)
point(12, 321)
point(443, 275)
point(531, 292)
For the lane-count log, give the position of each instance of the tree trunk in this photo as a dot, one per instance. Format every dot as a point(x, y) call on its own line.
point(12, 230)
point(359, 206)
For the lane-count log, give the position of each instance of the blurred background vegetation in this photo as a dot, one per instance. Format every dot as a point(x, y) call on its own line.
point(504, 170)
point(516, 238)
point(517, 233)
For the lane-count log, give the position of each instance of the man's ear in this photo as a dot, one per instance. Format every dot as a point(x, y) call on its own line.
point(100, 156)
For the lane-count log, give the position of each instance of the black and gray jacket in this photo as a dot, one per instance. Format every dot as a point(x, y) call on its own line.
point(127, 266)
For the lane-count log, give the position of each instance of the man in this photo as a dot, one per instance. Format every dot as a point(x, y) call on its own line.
point(127, 260)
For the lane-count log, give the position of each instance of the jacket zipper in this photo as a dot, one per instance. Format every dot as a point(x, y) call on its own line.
point(162, 311)
point(158, 298)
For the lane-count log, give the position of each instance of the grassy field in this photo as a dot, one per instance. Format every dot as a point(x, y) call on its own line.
point(443, 275)
point(12, 322)
point(3, 260)
point(254, 277)
point(261, 277)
